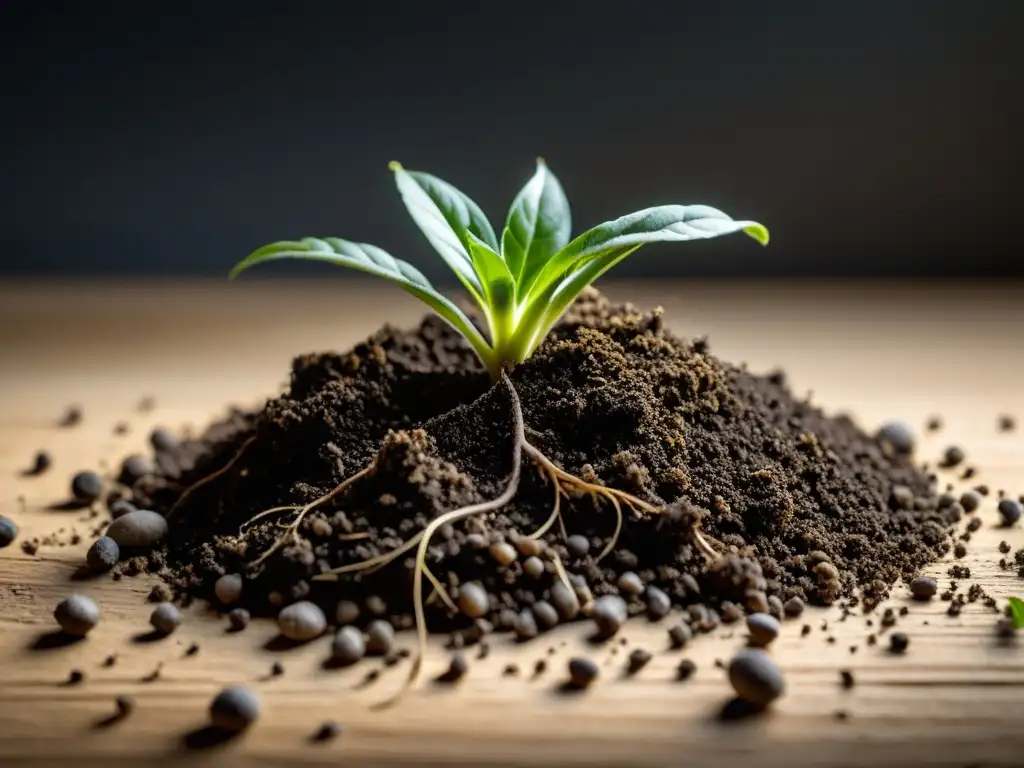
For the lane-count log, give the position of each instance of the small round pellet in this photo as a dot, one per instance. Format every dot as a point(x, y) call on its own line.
point(577, 545)
point(302, 621)
point(165, 618)
point(162, 440)
point(533, 567)
point(897, 434)
point(755, 677)
point(348, 646)
point(238, 619)
point(898, 642)
point(794, 607)
point(530, 547)
point(970, 501)
point(609, 614)
point(234, 709)
point(545, 613)
point(86, 486)
point(565, 601)
point(630, 584)
point(228, 588)
point(380, 636)
point(103, 554)
point(473, 600)
point(135, 468)
point(680, 634)
point(77, 615)
point(582, 672)
point(120, 508)
point(503, 552)
point(763, 629)
point(526, 625)
point(924, 587)
point(8, 531)
point(658, 603)
point(347, 612)
point(1010, 510)
point(457, 668)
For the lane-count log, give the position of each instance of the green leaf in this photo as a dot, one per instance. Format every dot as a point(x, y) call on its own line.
point(666, 223)
point(538, 225)
point(1017, 609)
point(445, 215)
point(499, 288)
point(375, 261)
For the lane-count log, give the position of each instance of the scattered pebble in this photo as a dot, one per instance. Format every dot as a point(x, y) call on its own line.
point(160, 593)
point(503, 553)
point(473, 600)
point(75, 676)
point(347, 612)
point(685, 669)
point(582, 672)
point(228, 588)
point(794, 607)
point(577, 545)
point(8, 531)
point(959, 551)
point(658, 603)
point(162, 440)
point(924, 587)
point(763, 629)
point(72, 417)
point(526, 625)
point(970, 501)
point(565, 601)
point(348, 645)
point(302, 621)
point(234, 709)
point(609, 614)
point(533, 567)
point(380, 636)
point(1004, 547)
point(680, 634)
point(134, 468)
point(125, 705)
point(86, 486)
point(952, 456)
point(631, 584)
point(103, 554)
point(1005, 630)
point(847, 678)
point(192, 649)
point(457, 668)
point(120, 508)
point(897, 434)
point(375, 605)
point(510, 670)
point(755, 677)
point(140, 529)
point(77, 615)
point(1006, 423)
point(1011, 511)
point(545, 613)
point(898, 642)
point(276, 669)
point(934, 423)
point(329, 731)
point(638, 659)
point(165, 618)
point(530, 547)
point(41, 462)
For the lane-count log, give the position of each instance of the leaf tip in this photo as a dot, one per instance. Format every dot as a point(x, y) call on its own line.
point(757, 231)
point(541, 161)
point(394, 165)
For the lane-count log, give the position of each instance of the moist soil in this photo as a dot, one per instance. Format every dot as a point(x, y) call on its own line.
point(801, 504)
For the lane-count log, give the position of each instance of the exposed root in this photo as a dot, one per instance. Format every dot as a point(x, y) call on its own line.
point(266, 513)
point(209, 478)
point(556, 510)
point(294, 526)
point(452, 517)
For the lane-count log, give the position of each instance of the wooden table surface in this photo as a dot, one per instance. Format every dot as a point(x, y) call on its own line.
point(876, 350)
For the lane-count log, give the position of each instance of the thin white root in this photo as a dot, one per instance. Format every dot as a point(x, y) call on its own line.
point(294, 527)
point(266, 513)
point(447, 519)
point(556, 511)
point(209, 478)
point(372, 564)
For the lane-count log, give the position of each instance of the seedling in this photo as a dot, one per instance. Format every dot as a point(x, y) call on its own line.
point(1017, 612)
point(522, 284)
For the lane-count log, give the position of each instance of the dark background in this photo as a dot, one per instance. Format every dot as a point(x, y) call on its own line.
point(873, 138)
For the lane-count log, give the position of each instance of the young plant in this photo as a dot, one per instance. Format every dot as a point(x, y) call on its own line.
point(524, 283)
point(1017, 611)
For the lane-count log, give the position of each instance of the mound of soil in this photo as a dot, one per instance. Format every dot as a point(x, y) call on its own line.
point(800, 503)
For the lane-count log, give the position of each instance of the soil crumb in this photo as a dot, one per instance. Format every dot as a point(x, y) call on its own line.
point(801, 505)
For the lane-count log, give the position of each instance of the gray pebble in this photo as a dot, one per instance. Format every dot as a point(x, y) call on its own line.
point(162, 440)
point(380, 636)
point(526, 625)
point(86, 486)
point(582, 672)
point(103, 554)
point(473, 600)
point(234, 709)
point(302, 621)
point(794, 607)
point(970, 501)
point(134, 468)
point(347, 612)
point(897, 434)
point(658, 603)
point(763, 629)
point(348, 646)
point(609, 614)
point(631, 584)
point(755, 677)
point(924, 587)
point(457, 668)
point(1010, 510)
point(375, 605)
point(228, 588)
point(544, 612)
point(503, 552)
point(238, 619)
point(775, 607)
point(165, 618)
point(8, 531)
point(533, 567)
point(577, 545)
point(680, 634)
point(77, 615)
point(139, 529)
point(565, 601)
point(120, 508)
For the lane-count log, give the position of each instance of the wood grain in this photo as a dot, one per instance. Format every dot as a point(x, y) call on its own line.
point(875, 350)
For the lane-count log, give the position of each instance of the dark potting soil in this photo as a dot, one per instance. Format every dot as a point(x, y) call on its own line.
point(807, 505)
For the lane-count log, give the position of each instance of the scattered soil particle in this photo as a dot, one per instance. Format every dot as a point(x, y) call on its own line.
point(228, 588)
point(970, 501)
point(974, 524)
point(75, 676)
point(1006, 423)
point(234, 709)
point(192, 649)
point(457, 668)
point(685, 669)
point(952, 456)
point(125, 704)
point(794, 607)
point(934, 423)
point(71, 417)
point(924, 587)
point(1004, 547)
point(160, 593)
point(805, 630)
point(841, 715)
point(41, 462)
point(540, 667)
point(348, 646)
point(86, 487)
point(163, 440)
point(680, 634)
point(510, 670)
point(165, 618)
point(959, 550)
point(8, 531)
point(846, 676)
point(328, 731)
point(582, 672)
point(380, 636)
point(897, 436)
point(120, 508)
point(638, 659)
point(898, 642)
point(1010, 511)
point(801, 501)
point(872, 639)
point(276, 669)
point(111, 660)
